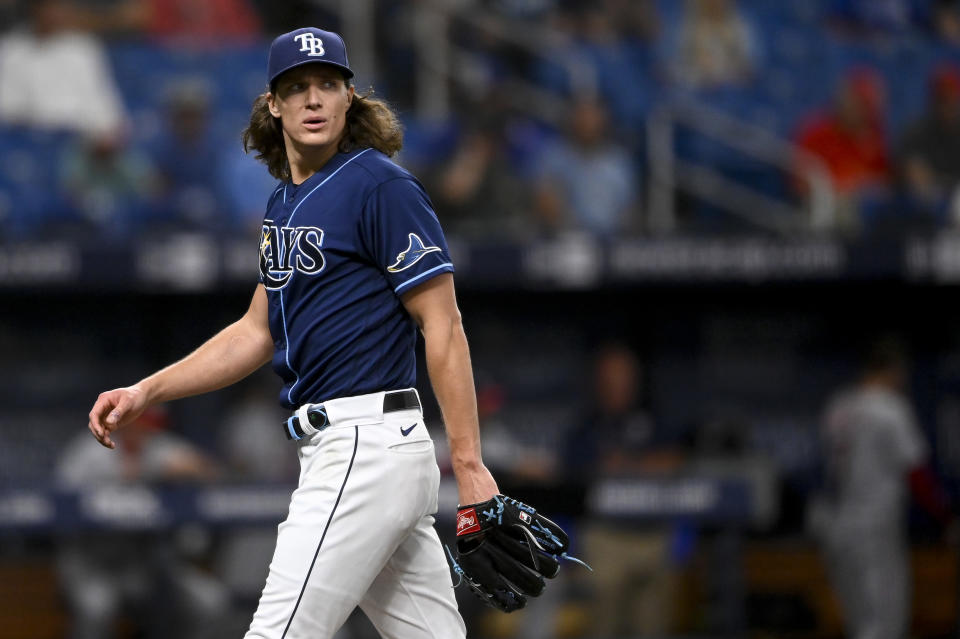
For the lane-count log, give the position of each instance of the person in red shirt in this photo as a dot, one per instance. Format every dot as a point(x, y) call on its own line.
point(850, 138)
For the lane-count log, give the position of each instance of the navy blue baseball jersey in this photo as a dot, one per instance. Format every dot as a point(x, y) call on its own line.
point(336, 253)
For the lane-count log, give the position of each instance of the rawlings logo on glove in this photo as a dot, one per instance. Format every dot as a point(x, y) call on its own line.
point(467, 521)
point(505, 549)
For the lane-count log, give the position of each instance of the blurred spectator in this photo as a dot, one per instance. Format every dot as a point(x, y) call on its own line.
point(187, 159)
point(107, 575)
point(586, 181)
point(53, 77)
point(945, 21)
point(633, 577)
point(715, 46)
point(478, 191)
point(851, 139)
point(930, 149)
point(874, 452)
point(110, 185)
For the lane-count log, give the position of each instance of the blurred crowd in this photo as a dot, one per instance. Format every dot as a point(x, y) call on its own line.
point(120, 117)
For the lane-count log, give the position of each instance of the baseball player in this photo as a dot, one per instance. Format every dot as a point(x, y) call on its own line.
point(875, 458)
point(352, 263)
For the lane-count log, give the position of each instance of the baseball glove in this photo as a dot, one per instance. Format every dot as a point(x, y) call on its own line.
point(505, 549)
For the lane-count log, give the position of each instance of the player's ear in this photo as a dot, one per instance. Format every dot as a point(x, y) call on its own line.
point(272, 105)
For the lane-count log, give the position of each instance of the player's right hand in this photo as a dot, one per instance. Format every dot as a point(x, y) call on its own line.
point(113, 409)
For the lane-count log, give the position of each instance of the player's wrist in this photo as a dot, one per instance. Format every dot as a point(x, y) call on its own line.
point(465, 453)
point(475, 485)
point(148, 390)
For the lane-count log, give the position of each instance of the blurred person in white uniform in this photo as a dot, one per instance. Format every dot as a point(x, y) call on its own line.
point(875, 456)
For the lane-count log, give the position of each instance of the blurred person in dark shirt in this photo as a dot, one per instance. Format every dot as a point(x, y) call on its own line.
point(587, 181)
point(633, 580)
point(850, 138)
point(616, 433)
point(478, 188)
point(929, 154)
point(143, 575)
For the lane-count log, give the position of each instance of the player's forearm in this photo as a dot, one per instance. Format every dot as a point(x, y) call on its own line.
point(448, 363)
point(433, 306)
point(227, 357)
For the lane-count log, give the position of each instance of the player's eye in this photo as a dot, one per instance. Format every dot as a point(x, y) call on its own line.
point(294, 87)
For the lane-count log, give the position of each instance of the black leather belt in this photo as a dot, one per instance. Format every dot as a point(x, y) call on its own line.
point(317, 414)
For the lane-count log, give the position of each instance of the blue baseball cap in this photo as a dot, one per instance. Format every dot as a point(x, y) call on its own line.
point(307, 46)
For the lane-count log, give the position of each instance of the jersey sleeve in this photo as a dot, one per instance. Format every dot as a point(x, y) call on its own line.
point(402, 235)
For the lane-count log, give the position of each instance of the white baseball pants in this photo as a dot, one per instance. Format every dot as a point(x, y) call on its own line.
point(360, 532)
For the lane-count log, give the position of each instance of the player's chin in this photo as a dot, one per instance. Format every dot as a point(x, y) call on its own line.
point(315, 138)
point(313, 133)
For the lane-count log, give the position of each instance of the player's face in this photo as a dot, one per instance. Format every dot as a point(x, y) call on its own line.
point(311, 102)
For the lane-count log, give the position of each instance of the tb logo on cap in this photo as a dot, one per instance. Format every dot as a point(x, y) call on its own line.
point(310, 43)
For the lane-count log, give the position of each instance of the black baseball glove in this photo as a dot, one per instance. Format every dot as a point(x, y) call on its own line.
point(505, 549)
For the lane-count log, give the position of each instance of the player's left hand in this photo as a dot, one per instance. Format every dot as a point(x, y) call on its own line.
point(114, 409)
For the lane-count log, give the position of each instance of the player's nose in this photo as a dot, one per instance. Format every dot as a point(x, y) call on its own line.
point(314, 96)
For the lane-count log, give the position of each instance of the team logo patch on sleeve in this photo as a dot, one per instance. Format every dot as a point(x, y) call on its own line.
point(412, 254)
point(467, 522)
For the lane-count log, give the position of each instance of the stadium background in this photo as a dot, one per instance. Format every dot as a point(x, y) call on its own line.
point(740, 267)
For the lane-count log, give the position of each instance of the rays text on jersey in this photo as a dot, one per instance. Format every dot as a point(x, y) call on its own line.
point(285, 249)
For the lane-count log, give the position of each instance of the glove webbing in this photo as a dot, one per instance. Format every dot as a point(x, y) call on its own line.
point(500, 501)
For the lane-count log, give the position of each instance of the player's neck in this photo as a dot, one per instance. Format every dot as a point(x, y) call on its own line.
point(307, 160)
